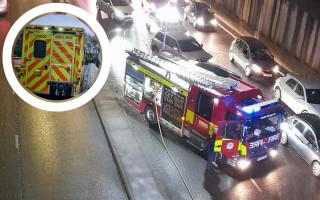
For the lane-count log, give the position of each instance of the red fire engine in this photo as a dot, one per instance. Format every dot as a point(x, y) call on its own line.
point(209, 110)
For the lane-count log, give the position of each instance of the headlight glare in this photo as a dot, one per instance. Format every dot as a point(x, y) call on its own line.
point(273, 153)
point(276, 69)
point(244, 164)
point(200, 21)
point(256, 68)
point(214, 22)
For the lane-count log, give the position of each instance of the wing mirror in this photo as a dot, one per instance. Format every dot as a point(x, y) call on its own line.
point(201, 45)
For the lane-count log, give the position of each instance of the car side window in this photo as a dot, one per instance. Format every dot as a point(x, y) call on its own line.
point(310, 137)
point(300, 127)
point(171, 42)
point(291, 83)
point(239, 44)
point(159, 36)
point(204, 106)
point(299, 90)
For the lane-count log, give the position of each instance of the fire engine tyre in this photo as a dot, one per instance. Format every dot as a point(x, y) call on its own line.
point(284, 139)
point(247, 71)
point(315, 168)
point(150, 115)
point(277, 93)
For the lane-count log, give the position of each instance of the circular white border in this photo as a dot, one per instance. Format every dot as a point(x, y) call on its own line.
point(37, 101)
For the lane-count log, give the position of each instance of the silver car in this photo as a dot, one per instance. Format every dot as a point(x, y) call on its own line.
point(300, 93)
point(253, 57)
point(302, 132)
point(119, 10)
point(180, 44)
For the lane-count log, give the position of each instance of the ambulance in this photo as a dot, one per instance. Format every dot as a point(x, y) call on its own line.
point(52, 61)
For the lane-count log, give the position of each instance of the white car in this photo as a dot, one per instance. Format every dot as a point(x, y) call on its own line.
point(300, 94)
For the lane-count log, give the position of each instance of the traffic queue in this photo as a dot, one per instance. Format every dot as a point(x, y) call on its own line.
point(222, 115)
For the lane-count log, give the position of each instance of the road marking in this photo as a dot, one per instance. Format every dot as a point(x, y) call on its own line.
point(255, 184)
point(226, 30)
point(16, 138)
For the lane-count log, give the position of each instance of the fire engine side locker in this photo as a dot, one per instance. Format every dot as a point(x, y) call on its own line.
point(172, 97)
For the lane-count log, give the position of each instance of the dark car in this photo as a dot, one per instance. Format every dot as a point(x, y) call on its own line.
point(201, 16)
point(254, 57)
point(181, 44)
point(302, 132)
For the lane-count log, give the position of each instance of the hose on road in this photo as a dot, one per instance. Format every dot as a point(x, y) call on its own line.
point(169, 154)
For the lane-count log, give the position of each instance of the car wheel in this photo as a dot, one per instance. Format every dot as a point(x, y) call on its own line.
point(247, 71)
point(284, 138)
point(148, 27)
point(154, 50)
point(231, 57)
point(185, 16)
point(277, 93)
point(195, 25)
point(150, 115)
point(316, 168)
point(112, 16)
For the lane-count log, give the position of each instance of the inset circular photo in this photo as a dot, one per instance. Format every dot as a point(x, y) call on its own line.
point(57, 61)
point(57, 57)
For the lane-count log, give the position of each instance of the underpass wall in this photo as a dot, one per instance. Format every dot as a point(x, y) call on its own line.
point(281, 21)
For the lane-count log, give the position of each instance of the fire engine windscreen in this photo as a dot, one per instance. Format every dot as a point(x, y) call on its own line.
point(261, 128)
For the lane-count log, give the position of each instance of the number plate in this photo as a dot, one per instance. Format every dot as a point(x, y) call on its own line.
point(267, 75)
point(262, 158)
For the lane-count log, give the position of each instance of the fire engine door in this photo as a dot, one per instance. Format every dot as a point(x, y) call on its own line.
point(203, 113)
point(62, 58)
point(36, 56)
point(228, 139)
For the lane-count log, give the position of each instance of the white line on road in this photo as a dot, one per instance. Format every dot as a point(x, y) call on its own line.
point(226, 30)
point(16, 138)
point(255, 184)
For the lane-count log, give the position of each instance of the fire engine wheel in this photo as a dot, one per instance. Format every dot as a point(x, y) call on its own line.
point(284, 138)
point(150, 115)
point(316, 168)
point(277, 93)
point(247, 71)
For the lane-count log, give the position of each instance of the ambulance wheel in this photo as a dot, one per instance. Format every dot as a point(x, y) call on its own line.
point(151, 116)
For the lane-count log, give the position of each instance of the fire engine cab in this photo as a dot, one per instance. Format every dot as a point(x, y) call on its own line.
point(221, 113)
